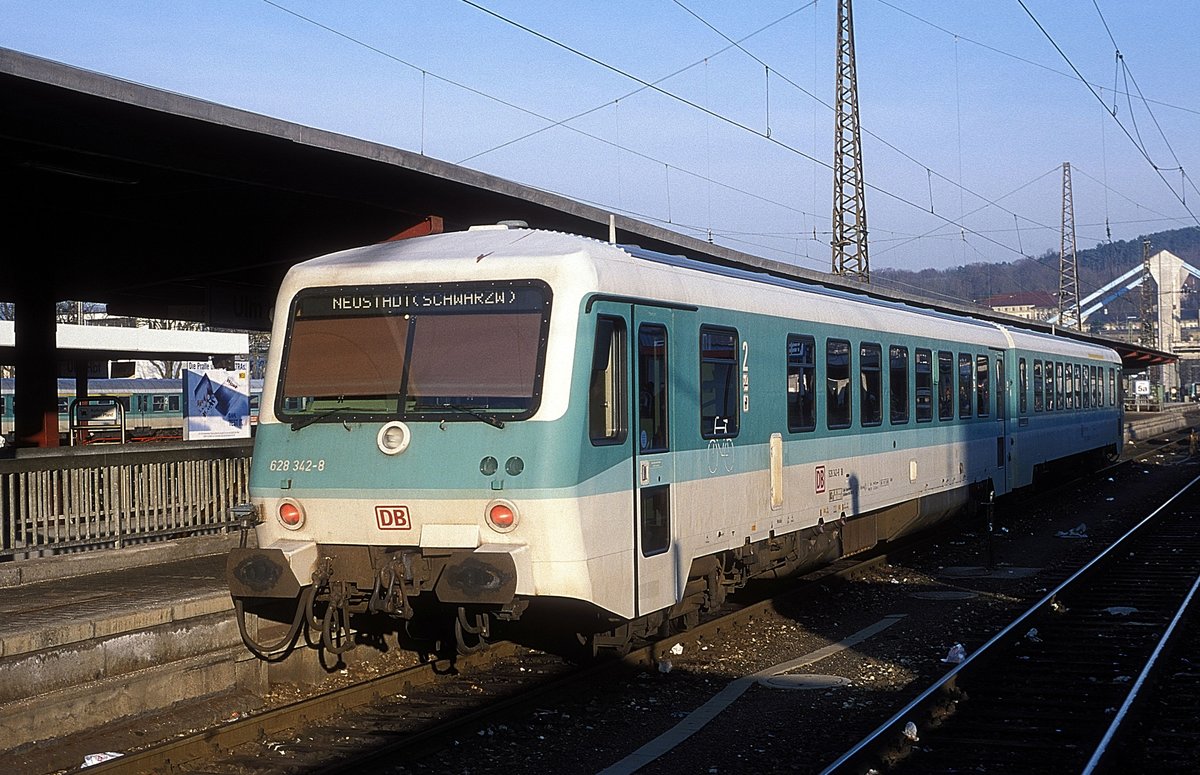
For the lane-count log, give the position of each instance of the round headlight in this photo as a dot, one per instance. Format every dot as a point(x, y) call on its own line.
point(393, 438)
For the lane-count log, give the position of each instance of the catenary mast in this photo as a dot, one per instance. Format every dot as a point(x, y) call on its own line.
point(849, 188)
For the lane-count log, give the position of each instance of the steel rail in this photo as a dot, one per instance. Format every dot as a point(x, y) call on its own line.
point(255, 727)
point(248, 729)
point(893, 728)
point(1122, 714)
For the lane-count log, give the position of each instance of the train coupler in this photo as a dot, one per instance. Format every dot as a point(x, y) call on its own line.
point(247, 517)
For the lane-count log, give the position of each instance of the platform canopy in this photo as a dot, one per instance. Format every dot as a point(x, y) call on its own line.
point(84, 342)
point(165, 206)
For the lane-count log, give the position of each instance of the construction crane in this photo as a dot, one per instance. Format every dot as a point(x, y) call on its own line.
point(849, 188)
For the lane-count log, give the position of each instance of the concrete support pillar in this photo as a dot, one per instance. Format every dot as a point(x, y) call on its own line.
point(1167, 270)
point(36, 394)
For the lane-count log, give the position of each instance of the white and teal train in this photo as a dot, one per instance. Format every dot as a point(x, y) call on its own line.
point(470, 426)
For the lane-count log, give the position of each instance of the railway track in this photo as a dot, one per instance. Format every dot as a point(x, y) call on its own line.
point(417, 710)
point(1053, 690)
point(1156, 731)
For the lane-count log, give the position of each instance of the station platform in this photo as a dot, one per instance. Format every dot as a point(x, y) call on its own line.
point(89, 639)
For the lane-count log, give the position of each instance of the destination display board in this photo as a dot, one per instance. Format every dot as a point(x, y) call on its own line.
point(415, 300)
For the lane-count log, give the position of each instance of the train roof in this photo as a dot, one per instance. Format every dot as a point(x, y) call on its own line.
point(460, 254)
point(985, 327)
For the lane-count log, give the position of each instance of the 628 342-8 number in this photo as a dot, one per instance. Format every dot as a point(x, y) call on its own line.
point(302, 466)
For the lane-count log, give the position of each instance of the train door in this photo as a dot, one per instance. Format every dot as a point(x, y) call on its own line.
point(655, 571)
point(1002, 392)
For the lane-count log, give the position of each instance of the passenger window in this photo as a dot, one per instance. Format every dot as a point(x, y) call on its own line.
point(173, 403)
point(1001, 389)
point(160, 403)
point(945, 385)
point(606, 391)
point(1038, 400)
point(966, 384)
point(652, 392)
point(837, 383)
point(1023, 386)
point(143, 403)
point(871, 382)
point(1087, 387)
point(924, 367)
point(1051, 403)
point(801, 374)
point(898, 384)
point(1112, 387)
point(1060, 391)
point(982, 383)
point(719, 386)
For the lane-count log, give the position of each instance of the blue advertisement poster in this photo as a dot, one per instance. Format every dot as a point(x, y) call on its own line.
point(216, 402)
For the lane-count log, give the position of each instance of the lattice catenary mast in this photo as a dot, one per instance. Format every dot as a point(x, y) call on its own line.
point(1068, 263)
point(849, 188)
point(1148, 338)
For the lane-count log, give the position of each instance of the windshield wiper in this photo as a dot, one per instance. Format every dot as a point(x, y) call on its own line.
point(304, 422)
point(492, 420)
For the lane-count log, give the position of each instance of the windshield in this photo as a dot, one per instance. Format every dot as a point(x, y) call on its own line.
point(416, 352)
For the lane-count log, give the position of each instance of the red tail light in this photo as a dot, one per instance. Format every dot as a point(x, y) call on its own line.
point(291, 515)
point(502, 516)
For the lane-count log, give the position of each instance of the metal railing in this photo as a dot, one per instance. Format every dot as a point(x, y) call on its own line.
point(69, 500)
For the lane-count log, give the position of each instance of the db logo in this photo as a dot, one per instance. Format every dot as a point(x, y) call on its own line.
point(820, 479)
point(392, 517)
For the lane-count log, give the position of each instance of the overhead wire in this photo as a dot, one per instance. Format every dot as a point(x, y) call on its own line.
point(961, 237)
point(1076, 76)
point(714, 114)
point(781, 75)
point(1092, 89)
point(552, 123)
point(640, 89)
point(648, 85)
point(1015, 57)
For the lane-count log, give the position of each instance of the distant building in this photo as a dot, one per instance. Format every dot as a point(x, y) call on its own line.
point(1031, 305)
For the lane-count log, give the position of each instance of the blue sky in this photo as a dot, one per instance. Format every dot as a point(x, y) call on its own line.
point(968, 108)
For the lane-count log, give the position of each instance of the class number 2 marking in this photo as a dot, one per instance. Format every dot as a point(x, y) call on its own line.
point(745, 376)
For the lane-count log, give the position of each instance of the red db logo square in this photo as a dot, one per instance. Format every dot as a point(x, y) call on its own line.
point(820, 479)
point(392, 518)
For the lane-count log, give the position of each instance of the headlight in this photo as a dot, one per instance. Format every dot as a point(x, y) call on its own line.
point(393, 438)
